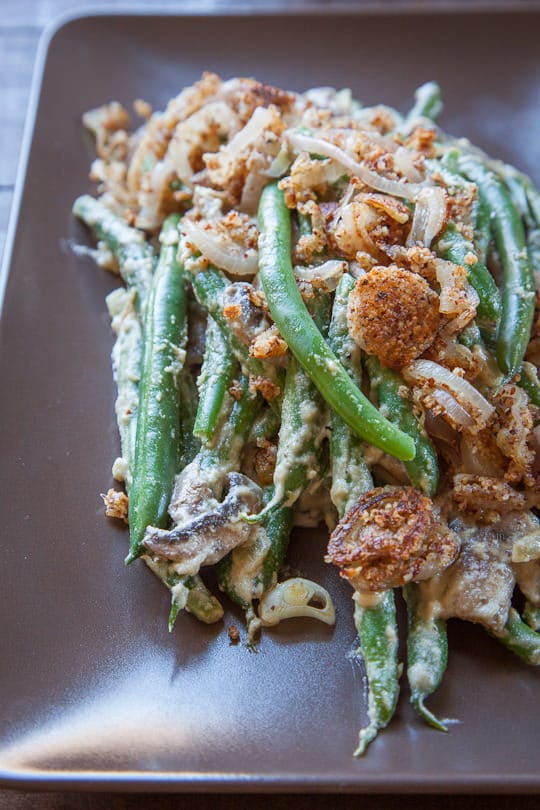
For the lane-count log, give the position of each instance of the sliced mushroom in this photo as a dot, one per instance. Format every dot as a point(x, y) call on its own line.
point(208, 537)
point(246, 318)
point(193, 494)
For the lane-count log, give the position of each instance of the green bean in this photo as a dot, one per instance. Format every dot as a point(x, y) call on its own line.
point(304, 225)
point(339, 337)
point(277, 525)
point(427, 104)
point(527, 200)
point(220, 458)
point(208, 286)
point(427, 654)
point(213, 463)
point(426, 639)
point(226, 450)
point(376, 624)
point(305, 340)
point(199, 600)
point(189, 444)
point(518, 194)
point(528, 380)
point(533, 246)
point(350, 473)
point(129, 246)
point(126, 359)
point(303, 426)
point(454, 247)
point(297, 462)
point(250, 570)
point(214, 381)
point(265, 426)
point(187, 592)
point(448, 171)
point(423, 470)
point(300, 437)
point(531, 615)
point(470, 336)
point(533, 197)
point(482, 231)
point(520, 638)
point(423, 473)
point(518, 296)
point(158, 416)
point(377, 631)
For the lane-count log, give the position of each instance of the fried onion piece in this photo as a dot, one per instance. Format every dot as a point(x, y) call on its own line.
point(393, 314)
point(485, 497)
point(116, 504)
point(391, 536)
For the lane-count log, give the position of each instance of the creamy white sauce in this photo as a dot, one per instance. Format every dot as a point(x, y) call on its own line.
point(246, 562)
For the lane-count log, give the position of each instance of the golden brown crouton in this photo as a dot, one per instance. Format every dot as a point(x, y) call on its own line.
point(393, 314)
point(116, 504)
point(391, 536)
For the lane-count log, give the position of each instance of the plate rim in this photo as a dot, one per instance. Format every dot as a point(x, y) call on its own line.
point(215, 782)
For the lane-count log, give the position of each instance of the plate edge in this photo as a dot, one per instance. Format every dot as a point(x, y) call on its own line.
point(173, 782)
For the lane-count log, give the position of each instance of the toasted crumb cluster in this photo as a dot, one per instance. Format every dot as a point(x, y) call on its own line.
point(394, 314)
point(116, 504)
point(391, 536)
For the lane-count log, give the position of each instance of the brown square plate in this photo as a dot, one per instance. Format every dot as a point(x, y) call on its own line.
point(95, 691)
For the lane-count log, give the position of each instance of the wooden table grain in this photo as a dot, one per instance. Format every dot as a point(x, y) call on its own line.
point(21, 25)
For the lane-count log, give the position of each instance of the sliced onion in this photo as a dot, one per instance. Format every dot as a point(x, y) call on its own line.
point(378, 139)
point(253, 185)
point(319, 146)
point(526, 547)
point(328, 98)
point(457, 298)
point(438, 428)
point(475, 462)
point(329, 272)
point(296, 597)
point(404, 163)
point(224, 253)
point(279, 165)
point(457, 416)
point(447, 279)
point(208, 202)
point(307, 173)
point(261, 119)
point(350, 228)
point(436, 376)
point(429, 216)
point(392, 207)
point(151, 199)
point(188, 135)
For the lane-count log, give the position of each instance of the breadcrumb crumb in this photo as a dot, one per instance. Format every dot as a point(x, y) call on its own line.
point(116, 504)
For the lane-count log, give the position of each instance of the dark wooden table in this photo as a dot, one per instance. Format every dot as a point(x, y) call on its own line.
point(21, 25)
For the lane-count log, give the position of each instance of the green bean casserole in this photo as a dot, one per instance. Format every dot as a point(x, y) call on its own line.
point(329, 313)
